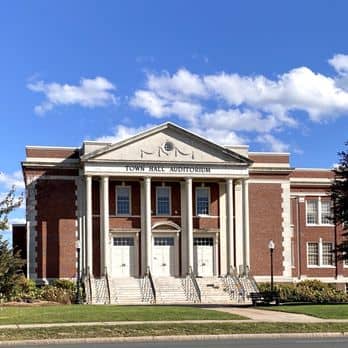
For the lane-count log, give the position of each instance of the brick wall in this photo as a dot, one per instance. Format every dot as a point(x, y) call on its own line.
point(56, 228)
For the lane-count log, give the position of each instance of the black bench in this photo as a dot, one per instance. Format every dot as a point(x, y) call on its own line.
point(265, 297)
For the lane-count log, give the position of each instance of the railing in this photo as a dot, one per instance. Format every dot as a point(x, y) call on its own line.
point(192, 288)
point(88, 286)
point(148, 277)
point(107, 284)
point(233, 277)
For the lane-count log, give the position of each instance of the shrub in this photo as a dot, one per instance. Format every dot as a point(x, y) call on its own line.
point(56, 294)
point(313, 291)
point(26, 290)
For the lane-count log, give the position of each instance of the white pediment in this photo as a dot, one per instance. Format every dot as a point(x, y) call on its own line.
point(166, 143)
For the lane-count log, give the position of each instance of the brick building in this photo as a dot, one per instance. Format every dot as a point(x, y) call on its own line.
point(151, 209)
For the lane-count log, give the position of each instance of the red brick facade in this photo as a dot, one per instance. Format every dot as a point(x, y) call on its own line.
point(53, 208)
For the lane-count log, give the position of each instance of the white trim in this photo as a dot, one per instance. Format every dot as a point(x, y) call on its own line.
point(311, 180)
point(129, 201)
point(52, 147)
point(209, 201)
point(169, 197)
point(309, 194)
point(51, 160)
point(267, 181)
point(270, 165)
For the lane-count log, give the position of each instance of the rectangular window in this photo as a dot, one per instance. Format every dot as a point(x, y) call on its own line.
point(123, 200)
point(312, 212)
point(164, 241)
point(313, 254)
point(202, 201)
point(163, 200)
point(326, 212)
point(327, 254)
point(123, 241)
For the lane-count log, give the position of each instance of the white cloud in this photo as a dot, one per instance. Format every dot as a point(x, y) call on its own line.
point(123, 132)
point(89, 93)
point(13, 179)
point(220, 136)
point(237, 104)
point(340, 63)
point(272, 143)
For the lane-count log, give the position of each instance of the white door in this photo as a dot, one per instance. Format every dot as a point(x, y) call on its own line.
point(163, 255)
point(204, 256)
point(123, 257)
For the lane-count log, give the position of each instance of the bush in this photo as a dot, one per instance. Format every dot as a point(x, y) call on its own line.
point(313, 291)
point(25, 290)
point(56, 294)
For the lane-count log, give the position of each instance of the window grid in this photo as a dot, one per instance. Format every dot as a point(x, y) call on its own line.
point(313, 254)
point(163, 200)
point(164, 241)
point(123, 200)
point(203, 241)
point(327, 254)
point(202, 201)
point(123, 241)
point(312, 212)
point(326, 212)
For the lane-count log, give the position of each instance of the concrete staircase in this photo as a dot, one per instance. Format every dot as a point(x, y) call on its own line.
point(98, 291)
point(126, 290)
point(170, 290)
point(214, 290)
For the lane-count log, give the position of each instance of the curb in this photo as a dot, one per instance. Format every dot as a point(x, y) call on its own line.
point(143, 339)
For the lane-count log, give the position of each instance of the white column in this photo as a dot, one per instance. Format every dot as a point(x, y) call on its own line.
point(246, 245)
point(143, 230)
point(89, 224)
point(223, 245)
point(184, 245)
point(104, 224)
point(230, 224)
point(189, 223)
point(148, 232)
point(238, 225)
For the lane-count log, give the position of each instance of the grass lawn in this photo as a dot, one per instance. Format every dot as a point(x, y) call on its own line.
point(86, 313)
point(167, 330)
point(325, 311)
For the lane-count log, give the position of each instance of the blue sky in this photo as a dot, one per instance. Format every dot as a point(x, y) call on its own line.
point(272, 74)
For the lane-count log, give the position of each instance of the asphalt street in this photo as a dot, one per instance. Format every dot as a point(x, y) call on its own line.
point(237, 343)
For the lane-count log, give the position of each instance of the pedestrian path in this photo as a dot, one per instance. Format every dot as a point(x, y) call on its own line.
point(273, 316)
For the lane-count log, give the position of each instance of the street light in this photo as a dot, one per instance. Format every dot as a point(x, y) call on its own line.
point(78, 275)
point(271, 247)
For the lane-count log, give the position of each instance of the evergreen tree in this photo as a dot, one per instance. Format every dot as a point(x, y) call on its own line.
point(339, 195)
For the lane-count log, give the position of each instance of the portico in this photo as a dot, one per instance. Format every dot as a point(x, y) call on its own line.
point(193, 206)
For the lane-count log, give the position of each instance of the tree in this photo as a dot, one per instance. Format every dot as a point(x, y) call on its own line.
point(7, 204)
point(339, 195)
point(10, 262)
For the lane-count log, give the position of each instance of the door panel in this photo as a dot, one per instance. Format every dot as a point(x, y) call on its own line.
point(123, 257)
point(204, 256)
point(163, 256)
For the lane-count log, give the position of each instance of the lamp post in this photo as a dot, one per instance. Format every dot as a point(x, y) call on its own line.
point(78, 275)
point(271, 247)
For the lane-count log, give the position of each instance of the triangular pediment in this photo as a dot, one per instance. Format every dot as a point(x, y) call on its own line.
point(166, 143)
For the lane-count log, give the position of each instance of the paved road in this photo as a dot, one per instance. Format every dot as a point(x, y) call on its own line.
point(238, 343)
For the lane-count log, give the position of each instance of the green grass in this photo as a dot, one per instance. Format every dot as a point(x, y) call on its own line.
point(325, 311)
point(166, 330)
point(88, 313)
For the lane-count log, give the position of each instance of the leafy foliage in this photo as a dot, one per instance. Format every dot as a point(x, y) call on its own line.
point(10, 270)
point(339, 195)
point(313, 291)
point(7, 204)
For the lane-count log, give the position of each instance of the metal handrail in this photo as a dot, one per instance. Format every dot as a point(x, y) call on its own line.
point(89, 280)
point(107, 283)
point(234, 275)
point(195, 284)
point(149, 275)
